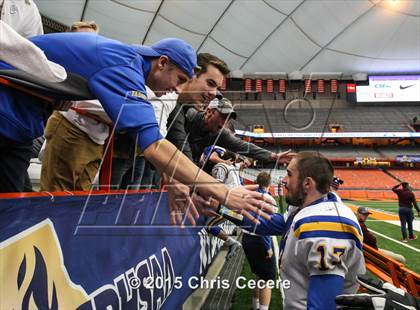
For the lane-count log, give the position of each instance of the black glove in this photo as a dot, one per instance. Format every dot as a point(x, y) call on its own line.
point(386, 297)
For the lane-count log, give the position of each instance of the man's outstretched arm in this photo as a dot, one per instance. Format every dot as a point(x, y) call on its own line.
point(168, 159)
point(276, 225)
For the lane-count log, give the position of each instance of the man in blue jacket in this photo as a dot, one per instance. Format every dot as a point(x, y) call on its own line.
point(116, 74)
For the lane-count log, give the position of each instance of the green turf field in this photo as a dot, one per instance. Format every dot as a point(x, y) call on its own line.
point(392, 231)
point(242, 300)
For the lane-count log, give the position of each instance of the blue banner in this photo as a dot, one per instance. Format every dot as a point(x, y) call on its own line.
point(98, 251)
point(408, 158)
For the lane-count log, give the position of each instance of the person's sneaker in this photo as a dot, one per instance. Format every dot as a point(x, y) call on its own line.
point(404, 240)
point(413, 238)
point(233, 249)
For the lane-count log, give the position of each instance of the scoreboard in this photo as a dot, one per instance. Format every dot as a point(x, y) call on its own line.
point(390, 88)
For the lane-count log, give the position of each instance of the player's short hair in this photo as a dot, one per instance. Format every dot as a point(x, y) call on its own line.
point(263, 179)
point(206, 59)
point(316, 166)
point(85, 24)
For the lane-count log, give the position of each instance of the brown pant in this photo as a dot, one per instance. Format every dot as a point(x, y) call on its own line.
point(71, 158)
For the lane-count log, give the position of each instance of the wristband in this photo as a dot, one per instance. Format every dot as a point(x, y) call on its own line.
point(227, 213)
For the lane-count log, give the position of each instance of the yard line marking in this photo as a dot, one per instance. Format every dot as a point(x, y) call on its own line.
point(416, 223)
point(396, 241)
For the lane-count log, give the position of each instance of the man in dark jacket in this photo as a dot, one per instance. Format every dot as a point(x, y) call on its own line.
point(199, 129)
point(368, 238)
point(406, 201)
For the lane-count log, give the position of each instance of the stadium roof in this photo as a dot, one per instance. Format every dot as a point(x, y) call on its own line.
point(368, 36)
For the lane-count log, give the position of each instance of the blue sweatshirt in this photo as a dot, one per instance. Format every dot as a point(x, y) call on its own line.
point(115, 72)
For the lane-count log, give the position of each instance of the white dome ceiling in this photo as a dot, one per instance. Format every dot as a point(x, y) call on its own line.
point(346, 36)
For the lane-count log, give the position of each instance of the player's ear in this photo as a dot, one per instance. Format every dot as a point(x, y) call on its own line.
point(162, 62)
point(308, 182)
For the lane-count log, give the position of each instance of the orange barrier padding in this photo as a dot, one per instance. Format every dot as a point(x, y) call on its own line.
point(76, 193)
point(360, 194)
point(388, 269)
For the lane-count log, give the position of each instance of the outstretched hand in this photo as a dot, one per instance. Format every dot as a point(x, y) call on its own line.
point(206, 206)
point(244, 199)
point(181, 206)
point(283, 157)
point(241, 200)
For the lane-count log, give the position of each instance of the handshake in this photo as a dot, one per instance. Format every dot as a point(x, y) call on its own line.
point(186, 204)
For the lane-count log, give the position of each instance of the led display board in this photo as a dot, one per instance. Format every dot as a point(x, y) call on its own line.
point(391, 88)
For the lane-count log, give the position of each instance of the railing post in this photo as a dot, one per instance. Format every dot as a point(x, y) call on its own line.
point(106, 169)
point(394, 275)
point(411, 285)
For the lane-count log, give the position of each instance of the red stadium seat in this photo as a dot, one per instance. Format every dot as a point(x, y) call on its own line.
point(410, 176)
point(365, 178)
